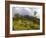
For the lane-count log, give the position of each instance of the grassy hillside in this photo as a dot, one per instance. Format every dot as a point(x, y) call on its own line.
point(25, 22)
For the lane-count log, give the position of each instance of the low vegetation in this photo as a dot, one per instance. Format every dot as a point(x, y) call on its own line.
point(25, 22)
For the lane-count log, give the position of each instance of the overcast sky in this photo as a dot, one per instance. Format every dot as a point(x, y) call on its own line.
point(25, 11)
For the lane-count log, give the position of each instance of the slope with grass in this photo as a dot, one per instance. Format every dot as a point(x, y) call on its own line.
point(25, 22)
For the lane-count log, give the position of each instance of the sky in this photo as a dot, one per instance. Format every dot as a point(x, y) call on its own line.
point(25, 11)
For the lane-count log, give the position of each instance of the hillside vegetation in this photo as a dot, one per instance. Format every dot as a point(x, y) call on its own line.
point(25, 22)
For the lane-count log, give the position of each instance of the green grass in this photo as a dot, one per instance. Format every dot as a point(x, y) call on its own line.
point(25, 24)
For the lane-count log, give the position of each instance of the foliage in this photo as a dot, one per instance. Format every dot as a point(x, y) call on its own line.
point(25, 23)
point(35, 13)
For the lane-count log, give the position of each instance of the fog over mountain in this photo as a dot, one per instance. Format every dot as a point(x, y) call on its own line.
point(26, 11)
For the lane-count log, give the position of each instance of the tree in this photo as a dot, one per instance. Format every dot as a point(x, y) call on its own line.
point(35, 19)
point(35, 13)
point(17, 14)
